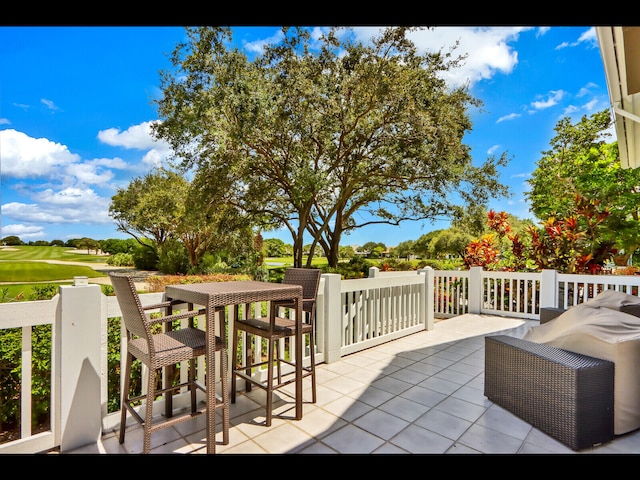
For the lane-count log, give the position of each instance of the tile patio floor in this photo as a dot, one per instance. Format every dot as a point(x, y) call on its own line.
point(421, 394)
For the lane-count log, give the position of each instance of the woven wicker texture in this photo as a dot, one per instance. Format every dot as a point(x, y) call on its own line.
point(158, 350)
point(216, 296)
point(567, 395)
point(274, 328)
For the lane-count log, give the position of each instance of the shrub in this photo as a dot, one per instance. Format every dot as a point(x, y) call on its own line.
point(173, 258)
point(145, 258)
point(121, 260)
point(156, 283)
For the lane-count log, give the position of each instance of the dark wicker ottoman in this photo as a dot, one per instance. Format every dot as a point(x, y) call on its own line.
point(567, 395)
point(549, 313)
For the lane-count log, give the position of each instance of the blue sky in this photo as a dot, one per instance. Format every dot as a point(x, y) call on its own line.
point(76, 103)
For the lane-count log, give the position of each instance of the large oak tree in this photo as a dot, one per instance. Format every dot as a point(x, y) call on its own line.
point(323, 135)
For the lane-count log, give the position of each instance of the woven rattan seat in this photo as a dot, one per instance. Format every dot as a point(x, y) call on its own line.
point(158, 349)
point(273, 328)
point(567, 395)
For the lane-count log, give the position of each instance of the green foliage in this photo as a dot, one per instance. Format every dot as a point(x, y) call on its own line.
point(86, 243)
point(113, 246)
point(346, 252)
point(173, 257)
point(444, 264)
point(121, 260)
point(357, 267)
point(404, 249)
point(274, 247)
point(562, 244)
point(12, 240)
point(44, 292)
point(4, 294)
point(113, 365)
point(150, 206)
point(145, 257)
point(209, 263)
point(393, 264)
point(373, 249)
point(107, 289)
point(260, 273)
point(580, 164)
point(41, 376)
point(451, 241)
point(10, 354)
point(10, 362)
point(400, 154)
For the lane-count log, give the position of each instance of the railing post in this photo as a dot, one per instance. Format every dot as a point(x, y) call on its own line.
point(549, 288)
point(80, 312)
point(374, 272)
point(475, 289)
point(332, 317)
point(429, 296)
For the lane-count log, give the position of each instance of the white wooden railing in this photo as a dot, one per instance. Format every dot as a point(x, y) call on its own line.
point(351, 315)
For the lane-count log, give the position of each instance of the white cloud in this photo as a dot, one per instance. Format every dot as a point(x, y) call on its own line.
point(27, 157)
point(136, 136)
point(570, 110)
point(511, 116)
point(154, 158)
point(542, 31)
point(551, 99)
point(57, 182)
point(25, 232)
point(66, 206)
point(115, 163)
point(588, 36)
point(89, 174)
point(4, 121)
point(586, 90)
point(591, 105)
point(257, 46)
point(49, 104)
point(487, 49)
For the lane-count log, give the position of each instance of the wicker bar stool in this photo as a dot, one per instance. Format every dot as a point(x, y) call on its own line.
point(155, 351)
point(273, 328)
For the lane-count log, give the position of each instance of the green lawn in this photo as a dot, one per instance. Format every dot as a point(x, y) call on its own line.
point(25, 252)
point(17, 265)
point(14, 271)
point(288, 261)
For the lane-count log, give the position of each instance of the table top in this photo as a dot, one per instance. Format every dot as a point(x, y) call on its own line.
point(231, 293)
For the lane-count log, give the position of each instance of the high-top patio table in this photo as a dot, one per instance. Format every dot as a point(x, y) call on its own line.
point(221, 294)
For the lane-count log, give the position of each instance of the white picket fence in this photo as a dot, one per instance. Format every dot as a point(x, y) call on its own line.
point(351, 315)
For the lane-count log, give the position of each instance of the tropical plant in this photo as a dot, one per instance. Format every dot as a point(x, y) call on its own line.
point(580, 164)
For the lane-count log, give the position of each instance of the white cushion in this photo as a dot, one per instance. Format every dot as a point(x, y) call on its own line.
point(597, 328)
point(613, 299)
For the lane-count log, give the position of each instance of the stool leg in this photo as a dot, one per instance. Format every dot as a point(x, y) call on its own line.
point(224, 374)
point(234, 349)
point(148, 404)
point(125, 397)
point(312, 350)
point(249, 360)
point(270, 382)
